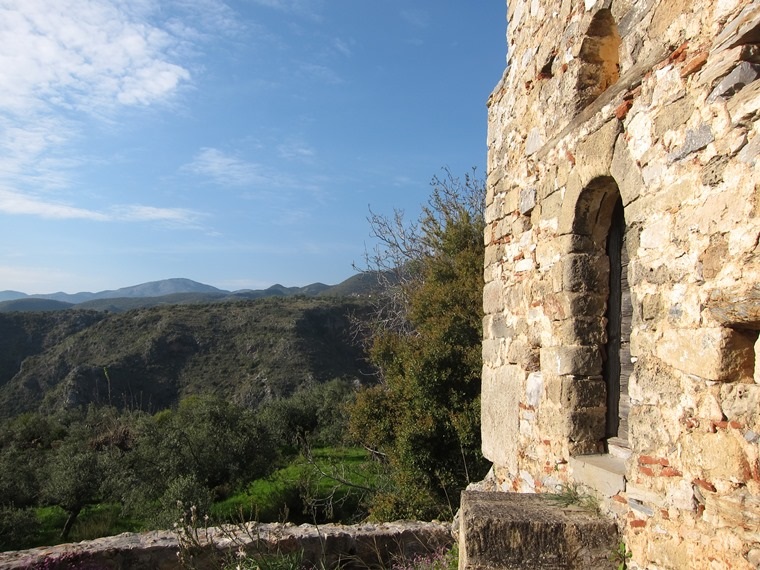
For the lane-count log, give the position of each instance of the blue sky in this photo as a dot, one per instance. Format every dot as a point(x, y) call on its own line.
point(237, 143)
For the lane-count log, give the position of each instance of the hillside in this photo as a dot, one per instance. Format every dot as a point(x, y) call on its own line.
point(148, 358)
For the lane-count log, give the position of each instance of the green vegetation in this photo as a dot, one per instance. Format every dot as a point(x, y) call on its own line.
point(246, 409)
point(99, 471)
point(330, 484)
point(150, 358)
point(423, 418)
point(621, 556)
point(574, 495)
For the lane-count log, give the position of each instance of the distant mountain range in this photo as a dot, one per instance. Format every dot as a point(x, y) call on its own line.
point(174, 291)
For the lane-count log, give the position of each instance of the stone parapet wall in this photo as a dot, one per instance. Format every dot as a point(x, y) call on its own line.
point(328, 546)
point(654, 103)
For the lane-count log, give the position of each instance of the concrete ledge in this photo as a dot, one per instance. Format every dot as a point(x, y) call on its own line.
point(527, 531)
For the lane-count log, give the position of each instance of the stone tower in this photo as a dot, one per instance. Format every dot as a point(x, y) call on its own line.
point(622, 295)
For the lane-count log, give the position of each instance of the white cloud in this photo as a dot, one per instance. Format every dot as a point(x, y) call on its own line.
point(224, 169)
point(342, 46)
point(171, 216)
point(30, 153)
point(307, 8)
point(295, 150)
point(86, 56)
point(66, 62)
point(417, 18)
point(20, 204)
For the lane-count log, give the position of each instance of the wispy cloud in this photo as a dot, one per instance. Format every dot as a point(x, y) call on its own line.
point(224, 169)
point(83, 56)
point(16, 203)
point(170, 216)
point(21, 204)
point(295, 150)
point(306, 8)
point(64, 63)
point(318, 72)
point(417, 18)
point(342, 46)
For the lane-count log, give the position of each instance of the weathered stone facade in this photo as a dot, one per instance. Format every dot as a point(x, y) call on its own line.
point(638, 118)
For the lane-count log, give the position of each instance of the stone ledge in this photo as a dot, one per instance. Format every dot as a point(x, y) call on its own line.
point(358, 546)
point(603, 473)
point(527, 531)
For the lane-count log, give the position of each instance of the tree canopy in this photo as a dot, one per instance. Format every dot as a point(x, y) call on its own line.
point(423, 417)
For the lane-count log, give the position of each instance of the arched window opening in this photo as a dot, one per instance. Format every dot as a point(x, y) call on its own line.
point(599, 217)
point(600, 58)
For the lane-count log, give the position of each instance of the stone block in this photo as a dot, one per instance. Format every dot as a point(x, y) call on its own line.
point(526, 531)
point(718, 354)
point(737, 510)
point(696, 139)
point(527, 200)
point(497, 327)
point(626, 172)
point(651, 307)
point(583, 272)
point(493, 350)
point(587, 426)
point(743, 74)
point(715, 456)
point(567, 360)
point(644, 496)
point(522, 354)
point(741, 403)
point(736, 306)
point(594, 154)
point(651, 426)
point(587, 331)
point(534, 141)
point(501, 391)
point(657, 233)
point(603, 473)
point(493, 297)
point(562, 306)
point(583, 392)
point(551, 206)
point(674, 116)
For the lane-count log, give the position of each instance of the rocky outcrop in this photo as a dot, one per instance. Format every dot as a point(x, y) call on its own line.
point(358, 546)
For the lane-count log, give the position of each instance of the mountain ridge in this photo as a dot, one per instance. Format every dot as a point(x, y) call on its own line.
point(172, 291)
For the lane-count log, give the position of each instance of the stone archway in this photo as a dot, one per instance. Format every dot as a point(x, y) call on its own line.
point(598, 222)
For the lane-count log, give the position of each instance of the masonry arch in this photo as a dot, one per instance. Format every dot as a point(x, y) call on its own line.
point(599, 225)
point(600, 58)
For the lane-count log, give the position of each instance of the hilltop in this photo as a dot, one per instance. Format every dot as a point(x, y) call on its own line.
point(149, 358)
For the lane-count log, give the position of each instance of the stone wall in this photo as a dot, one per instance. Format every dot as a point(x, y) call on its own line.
point(653, 105)
point(328, 546)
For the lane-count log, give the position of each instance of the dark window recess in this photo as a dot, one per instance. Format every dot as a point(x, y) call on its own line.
point(618, 366)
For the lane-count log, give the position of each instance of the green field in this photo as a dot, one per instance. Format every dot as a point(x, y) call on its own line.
point(329, 487)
